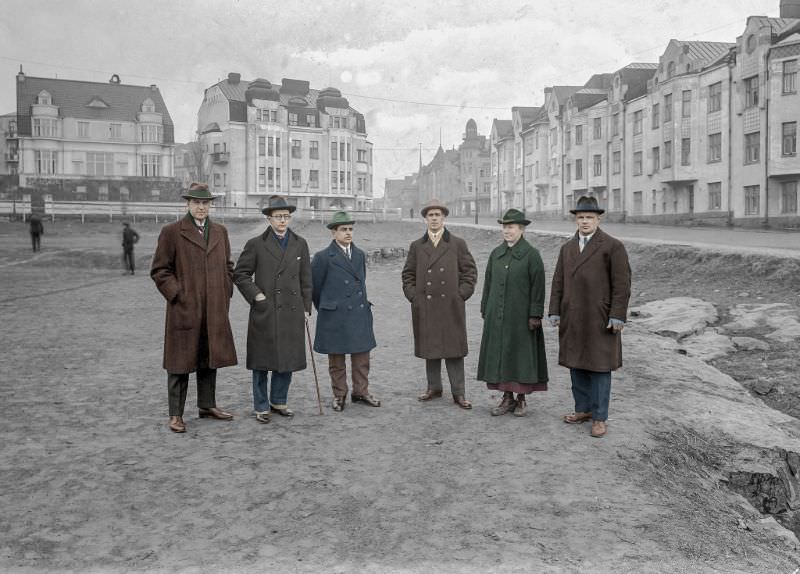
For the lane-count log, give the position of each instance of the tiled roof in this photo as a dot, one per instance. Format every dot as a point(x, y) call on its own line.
point(641, 66)
point(583, 100)
point(505, 128)
point(72, 96)
point(600, 81)
point(561, 93)
point(236, 93)
point(778, 25)
point(527, 114)
point(636, 76)
point(706, 50)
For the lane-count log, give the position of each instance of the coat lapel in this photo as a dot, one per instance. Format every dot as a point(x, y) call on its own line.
point(189, 231)
point(437, 252)
point(272, 247)
point(339, 259)
point(591, 248)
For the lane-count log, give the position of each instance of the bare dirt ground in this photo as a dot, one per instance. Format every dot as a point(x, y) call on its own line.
point(93, 481)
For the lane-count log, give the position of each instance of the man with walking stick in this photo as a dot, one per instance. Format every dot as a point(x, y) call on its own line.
point(273, 274)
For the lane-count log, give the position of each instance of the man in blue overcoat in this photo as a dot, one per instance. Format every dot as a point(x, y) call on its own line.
point(344, 315)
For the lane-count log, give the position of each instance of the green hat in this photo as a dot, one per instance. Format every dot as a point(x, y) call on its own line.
point(340, 218)
point(198, 191)
point(514, 216)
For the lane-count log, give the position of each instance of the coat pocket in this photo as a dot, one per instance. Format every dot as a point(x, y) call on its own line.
point(327, 306)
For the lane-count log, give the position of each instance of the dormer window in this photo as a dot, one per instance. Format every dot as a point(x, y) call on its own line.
point(148, 106)
point(670, 70)
point(44, 98)
point(96, 102)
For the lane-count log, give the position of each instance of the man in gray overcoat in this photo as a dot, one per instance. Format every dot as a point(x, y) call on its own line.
point(273, 274)
point(192, 268)
point(589, 305)
point(438, 277)
point(344, 314)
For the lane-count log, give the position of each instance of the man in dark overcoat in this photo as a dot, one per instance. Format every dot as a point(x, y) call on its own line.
point(129, 239)
point(36, 228)
point(273, 274)
point(589, 304)
point(344, 314)
point(193, 269)
point(438, 277)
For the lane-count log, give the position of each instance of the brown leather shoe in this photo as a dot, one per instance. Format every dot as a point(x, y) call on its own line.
point(462, 402)
point(599, 429)
point(176, 424)
point(282, 410)
point(506, 405)
point(430, 395)
point(338, 404)
point(577, 418)
point(263, 417)
point(521, 409)
point(215, 413)
point(369, 399)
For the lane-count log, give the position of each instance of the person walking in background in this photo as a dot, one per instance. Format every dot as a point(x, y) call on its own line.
point(36, 228)
point(589, 305)
point(344, 314)
point(438, 277)
point(193, 270)
point(129, 238)
point(273, 274)
point(512, 357)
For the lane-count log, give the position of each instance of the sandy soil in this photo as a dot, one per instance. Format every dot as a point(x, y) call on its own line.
point(93, 481)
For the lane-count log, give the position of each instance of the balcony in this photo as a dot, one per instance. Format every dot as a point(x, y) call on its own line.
point(11, 134)
point(220, 156)
point(11, 156)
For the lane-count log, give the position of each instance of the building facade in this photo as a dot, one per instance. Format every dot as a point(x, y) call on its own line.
point(259, 139)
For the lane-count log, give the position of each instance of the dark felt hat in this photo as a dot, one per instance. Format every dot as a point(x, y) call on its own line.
point(277, 202)
point(434, 204)
point(514, 216)
point(587, 203)
point(198, 191)
point(340, 218)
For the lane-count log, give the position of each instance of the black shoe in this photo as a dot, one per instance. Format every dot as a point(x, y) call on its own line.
point(284, 411)
point(338, 404)
point(369, 399)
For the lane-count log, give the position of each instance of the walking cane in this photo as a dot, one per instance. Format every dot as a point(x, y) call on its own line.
point(314, 365)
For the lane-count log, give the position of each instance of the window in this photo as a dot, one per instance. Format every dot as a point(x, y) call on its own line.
point(597, 165)
point(751, 193)
point(789, 138)
point(295, 178)
point(686, 151)
point(668, 154)
point(334, 151)
point(344, 151)
point(615, 124)
point(292, 119)
point(568, 138)
point(668, 108)
point(274, 176)
point(686, 104)
point(637, 202)
point(616, 162)
point(789, 197)
point(752, 144)
point(578, 135)
point(637, 163)
point(362, 184)
point(102, 192)
point(217, 179)
point(115, 131)
point(569, 172)
point(83, 129)
point(100, 164)
point(616, 199)
point(151, 164)
point(656, 119)
point(262, 177)
point(122, 167)
point(656, 155)
point(313, 178)
point(262, 146)
point(311, 120)
point(670, 70)
point(124, 194)
point(77, 167)
point(273, 146)
point(297, 149)
point(46, 162)
point(790, 76)
point(578, 169)
point(150, 134)
point(313, 150)
point(637, 122)
point(714, 147)
point(263, 115)
point(751, 92)
point(597, 128)
point(714, 196)
point(715, 97)
point(334, 179)
point(44, 98)
point(45, 127)
point(148, 106)
point(362, 157)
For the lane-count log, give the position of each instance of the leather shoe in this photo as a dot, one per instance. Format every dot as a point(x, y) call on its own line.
point(338, 404)
point(176, 424)
point(429, 395)
point(462, 402)
point(263, 417)
point(599, 429)
point(577, 418)
point(369, 399)
point(521, 409)
point(506, 405)
point(282, 410)
point(215, 413)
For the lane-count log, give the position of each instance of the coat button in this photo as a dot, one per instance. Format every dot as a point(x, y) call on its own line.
point(362, 305)
point(346, 282)
point(441, 269)
point(442, 282)
point(294, 308)
point(430, 270)
point(359, 294)
point(429, 296)
point(429, 282)
point(442, 294)
point(349, 307)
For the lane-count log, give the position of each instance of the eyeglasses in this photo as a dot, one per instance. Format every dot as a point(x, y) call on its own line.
point(281, 217)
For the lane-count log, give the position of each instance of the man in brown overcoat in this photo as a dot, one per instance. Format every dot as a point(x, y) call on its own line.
point(273, 274)
point(589, 305)
point(438, 277)
point(193, 270)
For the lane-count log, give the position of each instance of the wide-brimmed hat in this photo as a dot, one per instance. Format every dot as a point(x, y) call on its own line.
point(434, 204)
point(340, 218)
point(277, 202)
point(514, 216)
point(198, 191)
point(587, 203)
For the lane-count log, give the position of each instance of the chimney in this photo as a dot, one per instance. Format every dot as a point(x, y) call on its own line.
point(790, 8)
point(234, 78)
point(21, 75)
point(114, 79)
point(153, 87)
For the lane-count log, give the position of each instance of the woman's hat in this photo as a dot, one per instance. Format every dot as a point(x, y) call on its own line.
point(277, 202)
point(587, 203)
point(198, 191)
point(514, 216)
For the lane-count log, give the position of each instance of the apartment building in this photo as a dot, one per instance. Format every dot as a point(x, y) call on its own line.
point(260, 139)
point(502, 161)
point(476, 174)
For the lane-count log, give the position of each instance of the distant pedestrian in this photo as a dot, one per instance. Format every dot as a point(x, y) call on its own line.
point(344, 314)
point(273, 274)
point(129, 239)
point(589, 305)
point(193, 269)
point(36, 228)
point(438, 277)
point(512, 357)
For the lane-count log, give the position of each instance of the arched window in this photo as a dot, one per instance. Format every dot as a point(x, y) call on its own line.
point(670, 69)
point(148, 106)
point(45, 98)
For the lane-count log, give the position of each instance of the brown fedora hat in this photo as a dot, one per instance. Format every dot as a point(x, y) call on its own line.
point(434, 204)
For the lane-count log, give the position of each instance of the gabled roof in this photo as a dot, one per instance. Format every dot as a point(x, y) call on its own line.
point(583, 100)
point(561, 93)
point(503, 128)
point(779, 25)
point(527, 114)
point(636, 76)
point(600, 81)
point(706, 51)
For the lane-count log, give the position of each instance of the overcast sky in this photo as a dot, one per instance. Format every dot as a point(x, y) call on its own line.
point(415, 68)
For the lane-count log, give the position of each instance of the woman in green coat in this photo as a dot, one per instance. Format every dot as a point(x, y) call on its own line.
point(512, 357)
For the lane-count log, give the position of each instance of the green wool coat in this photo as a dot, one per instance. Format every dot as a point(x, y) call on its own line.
point(513, 291)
